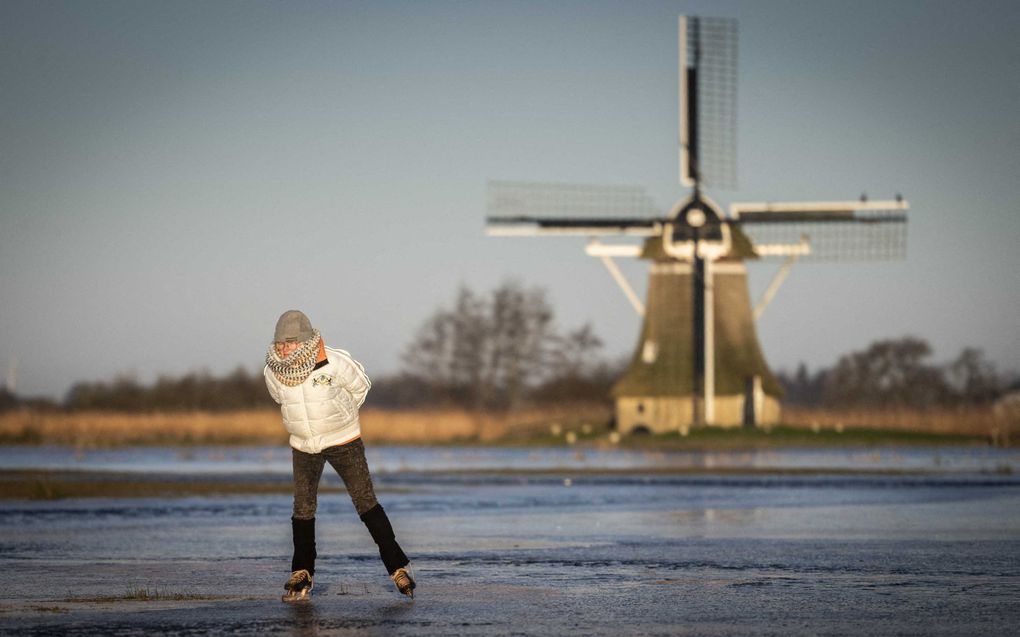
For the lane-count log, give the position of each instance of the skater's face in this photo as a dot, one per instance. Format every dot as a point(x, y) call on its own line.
point(283, 349)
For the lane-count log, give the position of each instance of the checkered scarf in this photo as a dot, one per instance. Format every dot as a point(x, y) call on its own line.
point(294, 368)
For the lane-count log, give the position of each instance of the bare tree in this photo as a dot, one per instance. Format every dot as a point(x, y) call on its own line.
point(429, 356)
point(470, 328)
point(888, 373)
point(522, 330)
point(485, 352)
point(576, 354)
point(973, 379)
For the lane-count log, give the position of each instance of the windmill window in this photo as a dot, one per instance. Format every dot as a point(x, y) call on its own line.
point(649, 352)
point(640, 408)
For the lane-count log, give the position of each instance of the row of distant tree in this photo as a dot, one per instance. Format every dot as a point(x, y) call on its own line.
point(898, 373)
point(504, 350)
point(199, 391)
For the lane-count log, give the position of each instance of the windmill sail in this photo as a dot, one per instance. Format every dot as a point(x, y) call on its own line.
point(523, 198)
point(708, 101)
point(826, 230)
point(525, 208)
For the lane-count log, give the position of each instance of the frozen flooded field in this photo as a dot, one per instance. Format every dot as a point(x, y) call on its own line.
point(548, 542)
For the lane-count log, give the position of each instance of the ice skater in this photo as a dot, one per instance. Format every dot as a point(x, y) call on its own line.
point(319, 390)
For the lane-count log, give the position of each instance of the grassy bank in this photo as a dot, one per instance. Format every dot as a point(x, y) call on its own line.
point(19, 484)
point(715, 439)
point(29, 484)
point(585, 424)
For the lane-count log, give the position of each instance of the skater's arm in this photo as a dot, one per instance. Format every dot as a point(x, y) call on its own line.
point(271, 384)
point(352, 377)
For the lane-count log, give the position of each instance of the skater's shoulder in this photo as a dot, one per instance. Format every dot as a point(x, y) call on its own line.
point(336, 352)
point(340, 356)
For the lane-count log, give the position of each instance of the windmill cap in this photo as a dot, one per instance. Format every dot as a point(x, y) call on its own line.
point(293, 327)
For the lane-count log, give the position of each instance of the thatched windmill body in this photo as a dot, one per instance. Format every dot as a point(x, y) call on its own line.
point(698, 360)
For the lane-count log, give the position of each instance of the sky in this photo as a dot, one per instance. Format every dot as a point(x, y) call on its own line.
point(174, 175)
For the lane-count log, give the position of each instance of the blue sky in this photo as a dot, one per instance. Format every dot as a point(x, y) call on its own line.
point(175, 175)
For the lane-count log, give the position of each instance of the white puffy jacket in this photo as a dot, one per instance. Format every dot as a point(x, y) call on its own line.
point(323, 410)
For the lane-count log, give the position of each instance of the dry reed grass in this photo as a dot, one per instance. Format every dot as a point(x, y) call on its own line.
point(454, 425)
point(963, 421)
point(435, 426)
point(263, 427)
point(105, 429)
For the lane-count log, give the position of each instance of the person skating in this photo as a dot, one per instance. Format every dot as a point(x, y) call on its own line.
point(319, 390)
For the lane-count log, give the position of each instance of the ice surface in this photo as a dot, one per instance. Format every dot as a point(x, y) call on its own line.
point(527, 554)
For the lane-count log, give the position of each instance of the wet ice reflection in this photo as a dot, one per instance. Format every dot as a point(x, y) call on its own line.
point(416, 459)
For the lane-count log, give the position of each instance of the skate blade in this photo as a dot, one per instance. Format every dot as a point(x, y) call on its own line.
point(291, 598)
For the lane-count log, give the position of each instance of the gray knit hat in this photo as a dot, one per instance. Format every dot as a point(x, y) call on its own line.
point(293, 327)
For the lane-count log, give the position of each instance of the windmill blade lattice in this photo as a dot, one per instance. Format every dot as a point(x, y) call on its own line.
point(516, 207)
point(833, 231)
point(708, 101)
point(538, 199)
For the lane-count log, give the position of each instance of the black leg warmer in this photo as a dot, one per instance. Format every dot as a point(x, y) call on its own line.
point(304, 545)
point(379, 526)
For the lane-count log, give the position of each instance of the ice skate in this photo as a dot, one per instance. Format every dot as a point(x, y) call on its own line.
point(298, 587)
point(404, 582)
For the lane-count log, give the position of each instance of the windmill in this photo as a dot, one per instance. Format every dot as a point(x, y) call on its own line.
point(698, 360)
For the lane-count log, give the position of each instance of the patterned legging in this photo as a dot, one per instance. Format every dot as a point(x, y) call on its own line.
point(349, 462)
